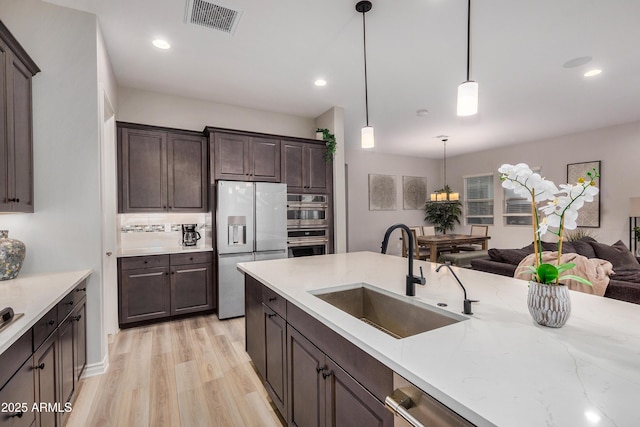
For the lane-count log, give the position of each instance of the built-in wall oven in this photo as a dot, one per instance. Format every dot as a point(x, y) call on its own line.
point(307, 211)
point(307, 242)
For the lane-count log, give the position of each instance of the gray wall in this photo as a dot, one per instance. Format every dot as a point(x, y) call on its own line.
point(366, 228)
point(64, 232)
point(618, 149)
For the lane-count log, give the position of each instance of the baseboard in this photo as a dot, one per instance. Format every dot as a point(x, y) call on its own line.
point(93, 369)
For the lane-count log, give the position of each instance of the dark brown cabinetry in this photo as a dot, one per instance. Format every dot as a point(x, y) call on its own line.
point(16, 128)
point(161, 170)
point(161, 286)
point(246, 158)
point(304, 167)
point(327, 381)
point(56, 354)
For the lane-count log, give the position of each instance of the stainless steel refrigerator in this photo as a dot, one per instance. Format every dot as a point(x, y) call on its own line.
point(251, 225)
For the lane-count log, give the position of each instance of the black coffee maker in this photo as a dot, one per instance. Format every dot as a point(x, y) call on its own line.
point(190, 236)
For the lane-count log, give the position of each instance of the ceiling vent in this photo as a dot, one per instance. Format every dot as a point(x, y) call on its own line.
point(212, 16)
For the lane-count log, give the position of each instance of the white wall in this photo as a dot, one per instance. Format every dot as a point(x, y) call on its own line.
point(366, 228)
point(618, 149)
point(64, 232)
point(151, 108)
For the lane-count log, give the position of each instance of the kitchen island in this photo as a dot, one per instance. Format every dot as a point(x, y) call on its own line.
point(496, 368)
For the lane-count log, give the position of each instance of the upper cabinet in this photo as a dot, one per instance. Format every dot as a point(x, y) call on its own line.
point(161, 170)
point(16, 128)
point(304, 167)
point(245, 158)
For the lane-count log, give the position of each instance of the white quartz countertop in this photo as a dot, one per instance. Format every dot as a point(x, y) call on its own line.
point(497, 368)
point(34, 295)
point(162, 250)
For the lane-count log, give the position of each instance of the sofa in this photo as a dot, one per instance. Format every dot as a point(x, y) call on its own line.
point(624, 284)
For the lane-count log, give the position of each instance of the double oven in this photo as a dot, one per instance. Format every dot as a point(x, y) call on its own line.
point(307, 224)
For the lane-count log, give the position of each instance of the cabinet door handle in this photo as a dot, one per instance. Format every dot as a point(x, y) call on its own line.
point(51, 322)
point(320, 369)
point(40, 366)
point(17, 415)
point(78, 317)
point(192, 270)
point(325, 375)
point(270, 315)
point(160, 273)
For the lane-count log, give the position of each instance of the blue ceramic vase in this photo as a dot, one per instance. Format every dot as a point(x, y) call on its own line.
point(12, 254)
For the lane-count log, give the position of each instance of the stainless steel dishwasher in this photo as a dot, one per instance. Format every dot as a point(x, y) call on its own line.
point(413, 407)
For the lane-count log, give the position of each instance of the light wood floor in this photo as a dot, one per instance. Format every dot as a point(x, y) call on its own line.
point(191, 372)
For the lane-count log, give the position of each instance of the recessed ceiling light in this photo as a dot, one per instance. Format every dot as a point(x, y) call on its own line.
point(592, 73)
point(320, 82)
point(422, 112)
point(161, 44)
point(576, 62)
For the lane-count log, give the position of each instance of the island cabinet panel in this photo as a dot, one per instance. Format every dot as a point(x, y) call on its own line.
point(161, 170)
point(307, 385)
point(255, 343)
point(18, 395)
point(16, 125)
point(304, 168)
point(47, 379)
point(67, 373)
point(240, 157)
point(327, 380)
point(79, 316)
point(158, 287)
point(275, 357)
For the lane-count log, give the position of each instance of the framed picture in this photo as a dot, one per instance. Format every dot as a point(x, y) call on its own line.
point(589, 215)
point(382, 192)
point(414, 192)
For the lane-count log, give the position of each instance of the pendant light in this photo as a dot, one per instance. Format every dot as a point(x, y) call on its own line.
point(366, 135)
point(468, 91)
point(445, 195)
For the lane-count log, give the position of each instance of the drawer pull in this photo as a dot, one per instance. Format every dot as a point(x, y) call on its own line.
point(40, 366)
point(51, 322)
point(81, 290)
point(271, 299)
point(17, 415)
point(192, 270)
point(70, 303)
point(133, 276)
point(78, 317)
point(270, 315)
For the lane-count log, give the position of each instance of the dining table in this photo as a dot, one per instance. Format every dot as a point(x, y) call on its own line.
point(451, 242)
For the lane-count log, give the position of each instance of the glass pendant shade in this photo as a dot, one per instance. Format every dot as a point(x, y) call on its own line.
point(468, 98)
point(366, 135)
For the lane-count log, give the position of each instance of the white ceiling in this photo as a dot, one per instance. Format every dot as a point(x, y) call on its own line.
point(416, 52)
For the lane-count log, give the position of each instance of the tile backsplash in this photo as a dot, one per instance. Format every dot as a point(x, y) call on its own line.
point(160, 230)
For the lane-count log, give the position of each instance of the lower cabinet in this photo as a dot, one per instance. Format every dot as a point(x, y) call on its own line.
point(160, 286)
point(313, 378)
point(40, 391)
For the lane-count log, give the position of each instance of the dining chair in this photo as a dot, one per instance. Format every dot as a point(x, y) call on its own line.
point(418, 252)
point(428, 230)
point(476, 230)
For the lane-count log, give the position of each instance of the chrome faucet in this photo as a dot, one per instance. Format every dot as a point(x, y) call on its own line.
point(467, 302)
point(411, 279)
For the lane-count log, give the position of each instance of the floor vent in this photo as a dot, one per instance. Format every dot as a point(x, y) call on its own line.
point(213, 16)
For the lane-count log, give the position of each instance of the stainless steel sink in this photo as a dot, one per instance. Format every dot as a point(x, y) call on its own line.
point(396, 315)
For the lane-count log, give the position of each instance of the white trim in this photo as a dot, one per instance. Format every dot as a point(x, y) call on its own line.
point(94, 369)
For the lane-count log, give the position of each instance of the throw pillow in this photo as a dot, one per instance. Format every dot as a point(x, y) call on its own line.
point(509, 256)
point(618, 254)
point(583, 247)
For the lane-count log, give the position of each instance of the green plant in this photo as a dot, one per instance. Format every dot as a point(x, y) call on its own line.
point(329, 142)
point(636, 233)
point(443, 214)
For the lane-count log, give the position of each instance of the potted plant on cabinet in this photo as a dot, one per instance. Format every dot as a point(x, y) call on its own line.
point(329, 141)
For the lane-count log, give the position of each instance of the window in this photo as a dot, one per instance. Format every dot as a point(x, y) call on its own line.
point(478, 205)
point(517, 210)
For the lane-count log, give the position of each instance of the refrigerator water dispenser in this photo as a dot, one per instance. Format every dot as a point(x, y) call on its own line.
point(237, 230)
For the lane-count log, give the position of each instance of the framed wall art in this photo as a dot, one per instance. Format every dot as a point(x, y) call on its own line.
point(414, 192)
point(382, 192)
point(589, 215)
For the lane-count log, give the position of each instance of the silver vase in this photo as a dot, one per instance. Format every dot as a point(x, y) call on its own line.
point(12, 254)
point(549, 305)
